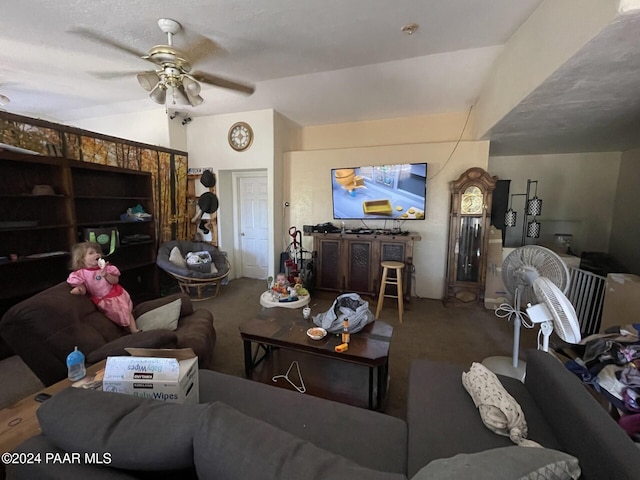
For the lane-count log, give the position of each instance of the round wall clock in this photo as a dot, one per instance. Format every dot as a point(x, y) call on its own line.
point(240, 136)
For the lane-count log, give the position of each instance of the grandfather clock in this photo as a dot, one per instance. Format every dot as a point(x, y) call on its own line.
point(469, 221)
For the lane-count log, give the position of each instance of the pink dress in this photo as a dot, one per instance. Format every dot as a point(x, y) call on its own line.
point(112, 300)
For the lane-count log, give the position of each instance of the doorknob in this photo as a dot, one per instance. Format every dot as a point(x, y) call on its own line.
point(242, 234)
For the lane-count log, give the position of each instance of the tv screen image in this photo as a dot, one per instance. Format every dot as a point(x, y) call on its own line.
point(382, 192)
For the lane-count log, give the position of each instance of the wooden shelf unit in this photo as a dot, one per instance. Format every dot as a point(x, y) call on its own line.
point(85, 195)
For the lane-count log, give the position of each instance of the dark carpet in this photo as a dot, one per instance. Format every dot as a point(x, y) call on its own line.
point(459, 335)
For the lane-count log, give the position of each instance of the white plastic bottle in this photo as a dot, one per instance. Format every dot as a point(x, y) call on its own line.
point(75, 365)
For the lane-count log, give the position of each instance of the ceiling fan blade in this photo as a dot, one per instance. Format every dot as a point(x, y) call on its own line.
point(112, 75)
point(223, 82)
point(97, 37)
point(203, 48)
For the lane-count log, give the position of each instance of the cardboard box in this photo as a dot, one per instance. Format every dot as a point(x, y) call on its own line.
point(621, 300)
point(161, 374)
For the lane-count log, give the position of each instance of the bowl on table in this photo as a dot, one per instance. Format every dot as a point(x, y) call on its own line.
point(317, 333)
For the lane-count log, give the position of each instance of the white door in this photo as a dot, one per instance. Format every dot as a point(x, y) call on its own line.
point(254, 227)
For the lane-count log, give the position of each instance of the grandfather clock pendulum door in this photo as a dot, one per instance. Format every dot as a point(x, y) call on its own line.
point(469, 221)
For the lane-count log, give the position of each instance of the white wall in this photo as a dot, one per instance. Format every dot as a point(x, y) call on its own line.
point(578, 193)
point(309, 185)
point(208, 147)
point(626, 217)
point(151, 127)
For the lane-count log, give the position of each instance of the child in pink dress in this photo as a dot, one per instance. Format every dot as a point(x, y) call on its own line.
point(92, 275)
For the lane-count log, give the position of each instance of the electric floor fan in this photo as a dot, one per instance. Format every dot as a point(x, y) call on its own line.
point(553, 313)
point(520, 270)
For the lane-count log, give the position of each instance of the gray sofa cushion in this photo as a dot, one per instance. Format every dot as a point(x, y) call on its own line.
point(59, 470)
point(139, 434)
point(443, 421)
point(503, 464)
point(371, 439)
point(230, 446)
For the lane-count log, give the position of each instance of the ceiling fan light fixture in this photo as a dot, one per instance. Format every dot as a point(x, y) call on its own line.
point(147, 80)
point(178, 96)
point(194, 100)
point(191, 86)
point(159, 93)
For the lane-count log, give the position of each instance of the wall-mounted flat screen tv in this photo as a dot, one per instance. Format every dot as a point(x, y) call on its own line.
point(382, 192)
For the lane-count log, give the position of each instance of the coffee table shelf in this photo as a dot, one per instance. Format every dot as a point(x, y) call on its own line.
point(283, 329)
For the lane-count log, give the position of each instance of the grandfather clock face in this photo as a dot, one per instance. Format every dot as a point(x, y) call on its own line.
point(472, 201)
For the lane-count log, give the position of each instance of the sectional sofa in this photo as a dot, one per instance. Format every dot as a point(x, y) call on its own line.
point(244, 429)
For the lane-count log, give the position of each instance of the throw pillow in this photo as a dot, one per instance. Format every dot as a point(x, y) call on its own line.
point(165, 316)
point(506, 463)
point(500, 412)
point(229, 445)
point(175, 257)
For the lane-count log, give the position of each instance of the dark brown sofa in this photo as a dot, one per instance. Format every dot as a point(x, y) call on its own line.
point(45, 328)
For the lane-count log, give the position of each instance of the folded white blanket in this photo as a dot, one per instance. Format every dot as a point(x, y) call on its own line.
point(499, 411)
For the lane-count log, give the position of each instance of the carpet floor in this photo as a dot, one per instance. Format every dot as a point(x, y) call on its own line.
point(459, 335)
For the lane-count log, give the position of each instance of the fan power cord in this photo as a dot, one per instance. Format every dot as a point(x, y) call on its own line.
point(506, 310)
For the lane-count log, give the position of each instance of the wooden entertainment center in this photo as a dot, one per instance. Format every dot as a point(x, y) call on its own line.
point(350, 262)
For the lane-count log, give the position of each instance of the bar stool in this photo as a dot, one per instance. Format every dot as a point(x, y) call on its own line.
point(397, 281)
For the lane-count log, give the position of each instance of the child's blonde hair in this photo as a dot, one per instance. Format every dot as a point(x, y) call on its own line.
point(78, 252)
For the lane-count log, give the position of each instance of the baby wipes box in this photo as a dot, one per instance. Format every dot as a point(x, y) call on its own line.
point(161, 374)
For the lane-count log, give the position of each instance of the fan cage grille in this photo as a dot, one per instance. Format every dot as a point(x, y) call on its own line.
point(525, 264)
point(565, 320)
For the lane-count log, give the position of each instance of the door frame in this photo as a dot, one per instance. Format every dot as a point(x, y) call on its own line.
point(236, 175)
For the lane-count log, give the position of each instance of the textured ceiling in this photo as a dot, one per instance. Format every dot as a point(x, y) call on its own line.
point(322, 62)
point(590, 104)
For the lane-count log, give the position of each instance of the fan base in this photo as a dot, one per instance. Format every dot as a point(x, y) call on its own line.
point(504, 366)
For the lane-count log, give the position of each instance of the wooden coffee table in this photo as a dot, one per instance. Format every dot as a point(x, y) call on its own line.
point(286, 329)
point(19, 422)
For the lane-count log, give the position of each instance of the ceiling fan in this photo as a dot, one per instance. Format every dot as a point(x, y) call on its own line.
point(173, 72)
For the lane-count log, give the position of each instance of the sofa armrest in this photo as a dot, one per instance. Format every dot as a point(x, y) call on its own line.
point(186, 308)
point(160, 338)
point(582, 426)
